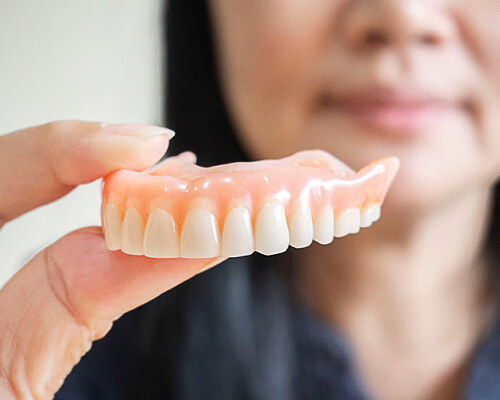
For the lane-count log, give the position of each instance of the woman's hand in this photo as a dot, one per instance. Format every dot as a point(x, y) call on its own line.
point(70, 293)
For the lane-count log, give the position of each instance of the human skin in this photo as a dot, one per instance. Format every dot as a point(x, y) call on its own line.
point(70, 293)
point(419, 307)
point(365, 79)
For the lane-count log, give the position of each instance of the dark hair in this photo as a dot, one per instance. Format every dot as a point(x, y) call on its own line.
point(223, 334)
point(195, 106)
point(493, 241)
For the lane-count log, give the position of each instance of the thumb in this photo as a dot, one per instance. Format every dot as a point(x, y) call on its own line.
point(100, 284)
point(66, 297)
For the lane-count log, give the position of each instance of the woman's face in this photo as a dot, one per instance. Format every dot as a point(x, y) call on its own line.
point(364, 79)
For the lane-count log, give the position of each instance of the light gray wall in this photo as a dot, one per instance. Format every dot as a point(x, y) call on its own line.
point(80, 59)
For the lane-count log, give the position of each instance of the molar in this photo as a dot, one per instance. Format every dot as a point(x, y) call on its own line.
point(324, 225)
point(347, 222)
point(301, 227)
point(200, 236)
point(271, 230)
point(237, 234)
point(161, 237)
point(112, 220)
point(369, 215)
point(131, 233)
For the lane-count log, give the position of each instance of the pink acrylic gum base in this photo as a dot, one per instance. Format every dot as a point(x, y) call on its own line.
point(219, 189)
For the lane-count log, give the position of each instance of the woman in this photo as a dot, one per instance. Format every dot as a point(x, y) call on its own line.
point(405, 310)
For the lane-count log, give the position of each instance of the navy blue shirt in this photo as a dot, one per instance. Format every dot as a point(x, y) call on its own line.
point(324, 371)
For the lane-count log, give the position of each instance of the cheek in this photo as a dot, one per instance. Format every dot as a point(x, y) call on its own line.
point(269, 51)
point(480, 20)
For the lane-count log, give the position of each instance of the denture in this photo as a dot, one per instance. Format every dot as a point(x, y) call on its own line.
point(179, 209)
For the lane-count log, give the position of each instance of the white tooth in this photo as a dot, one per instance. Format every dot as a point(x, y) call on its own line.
point(323, 226)
point(377, 212)
point(347, 222)
point(301, 227)
point(237, 235)
point(112, 226)
point(369, 215)
point(132, 232)
point(161, 238)
point(200, 236)
point(271, 231)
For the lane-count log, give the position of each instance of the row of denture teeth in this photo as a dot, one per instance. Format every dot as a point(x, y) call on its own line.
point(200, 236)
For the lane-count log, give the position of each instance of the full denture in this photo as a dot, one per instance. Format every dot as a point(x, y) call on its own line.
point(178, 209)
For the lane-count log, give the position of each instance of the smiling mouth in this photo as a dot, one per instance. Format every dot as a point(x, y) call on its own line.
point(394, 113)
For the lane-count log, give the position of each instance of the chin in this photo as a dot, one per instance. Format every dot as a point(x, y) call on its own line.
point(413, 196)
point(437, 164)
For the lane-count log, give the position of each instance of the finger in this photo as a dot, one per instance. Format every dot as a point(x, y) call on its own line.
point(176, 166)
point(42, 163)
point(66, 297)
point(187, 157)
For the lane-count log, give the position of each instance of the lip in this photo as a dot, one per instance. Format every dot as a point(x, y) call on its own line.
point(400, 113)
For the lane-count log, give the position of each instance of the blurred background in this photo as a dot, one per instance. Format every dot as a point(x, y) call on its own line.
point(62, 59)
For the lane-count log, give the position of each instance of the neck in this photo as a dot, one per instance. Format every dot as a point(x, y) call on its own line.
point(409, 288)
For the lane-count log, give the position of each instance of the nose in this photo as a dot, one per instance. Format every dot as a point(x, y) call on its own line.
point(378, 23)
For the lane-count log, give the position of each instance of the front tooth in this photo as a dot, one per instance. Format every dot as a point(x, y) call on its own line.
point(200, 236)
point(112, 226)
point(369, 215)
point(347, 222)
point(132, 232)
point(323, 225)
point(237, 235)
point(271, 230)
point(301, 227)
point(161, 238)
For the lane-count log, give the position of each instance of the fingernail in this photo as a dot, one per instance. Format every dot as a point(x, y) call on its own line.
point(187, 157)
point(141, 130)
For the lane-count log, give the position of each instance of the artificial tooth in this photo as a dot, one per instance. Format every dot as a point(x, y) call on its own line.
point(237, 234)
point(323, 226)
point(271, 230)
point(112, 226)
point(369, 215)
point(161, 237)
point(200, 236)
point(347, 222)
point(301, 227)
point(132, 233)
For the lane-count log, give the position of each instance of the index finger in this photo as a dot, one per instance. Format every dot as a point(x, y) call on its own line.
point(42, 163)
